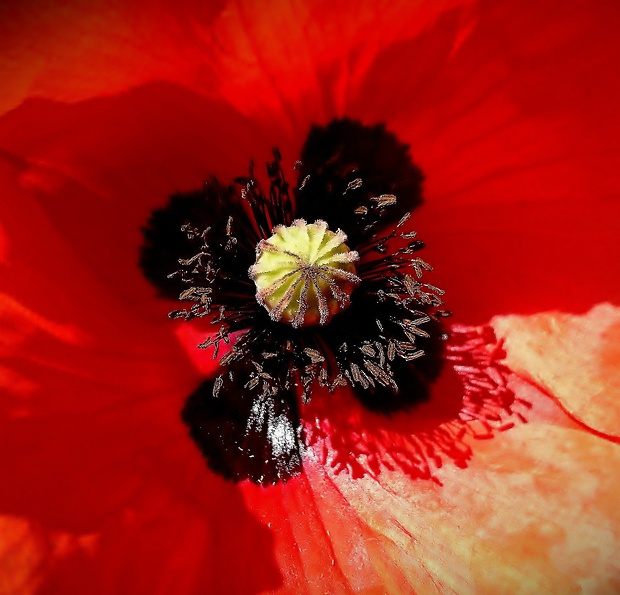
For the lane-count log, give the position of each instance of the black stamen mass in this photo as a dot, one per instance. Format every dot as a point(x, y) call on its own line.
point(335, 156)
point(387, 345)
point(243, 436)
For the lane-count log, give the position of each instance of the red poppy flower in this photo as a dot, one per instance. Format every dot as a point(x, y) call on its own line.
point(510, 111)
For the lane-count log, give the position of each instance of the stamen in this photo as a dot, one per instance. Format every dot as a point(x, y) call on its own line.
point(305, 275)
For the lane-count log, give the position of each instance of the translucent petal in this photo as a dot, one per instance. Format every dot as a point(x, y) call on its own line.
point(576, 359)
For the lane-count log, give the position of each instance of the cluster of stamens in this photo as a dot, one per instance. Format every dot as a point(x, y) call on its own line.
point(336, 316)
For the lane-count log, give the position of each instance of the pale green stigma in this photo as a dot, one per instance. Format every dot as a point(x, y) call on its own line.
point(304, 274)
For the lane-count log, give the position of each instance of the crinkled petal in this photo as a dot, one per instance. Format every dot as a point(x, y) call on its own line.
point(236, 50)
point(576, 359)
point(535, 511)
point(530, 508)
point(303, 62)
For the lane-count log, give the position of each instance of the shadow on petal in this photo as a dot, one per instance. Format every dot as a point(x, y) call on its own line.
point(471, 400)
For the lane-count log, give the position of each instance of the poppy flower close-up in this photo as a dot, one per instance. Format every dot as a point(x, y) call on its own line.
point(309, 297)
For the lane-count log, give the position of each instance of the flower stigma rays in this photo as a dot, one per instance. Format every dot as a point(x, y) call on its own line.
point(304, 274)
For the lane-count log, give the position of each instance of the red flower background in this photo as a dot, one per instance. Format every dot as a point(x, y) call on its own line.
point(511, 111)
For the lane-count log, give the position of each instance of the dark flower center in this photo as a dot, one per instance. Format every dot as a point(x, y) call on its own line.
point(384, 336)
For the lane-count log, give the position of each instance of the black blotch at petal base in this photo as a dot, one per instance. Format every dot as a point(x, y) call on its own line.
point(165, 242)
point(242, 429)
point(344, 150)
point(244, 435)
point(413, 378)
point(413, 389)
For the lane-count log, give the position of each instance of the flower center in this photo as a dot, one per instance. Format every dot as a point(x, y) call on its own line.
point(304, 274)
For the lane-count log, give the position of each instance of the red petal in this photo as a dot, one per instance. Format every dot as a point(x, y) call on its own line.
point(98, 169)
point(93, 441)
point(304, 62)
point(68, 51)
point(509, 111)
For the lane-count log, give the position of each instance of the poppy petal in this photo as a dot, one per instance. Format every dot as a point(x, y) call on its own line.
point(24, 554)
point(90, 425)
point(575, 358)
point(534, 510)
point(63, 156)
point(328, 49)
point(70, 52)
point(507, 111)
